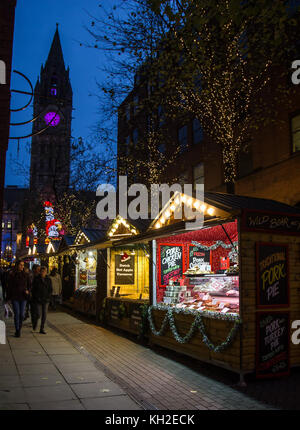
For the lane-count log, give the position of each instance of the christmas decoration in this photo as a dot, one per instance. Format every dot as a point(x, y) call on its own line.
point(197, 324)
point(215, 246)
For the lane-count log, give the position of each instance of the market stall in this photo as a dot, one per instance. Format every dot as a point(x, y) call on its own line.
point(128, 280)
point(226, 293)
point(83, 298)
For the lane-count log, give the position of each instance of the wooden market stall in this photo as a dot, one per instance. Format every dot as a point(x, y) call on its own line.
point(228, 292)
point(128, 280)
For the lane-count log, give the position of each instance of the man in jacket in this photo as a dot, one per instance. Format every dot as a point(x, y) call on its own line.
point(18, 290)
point(41, 295)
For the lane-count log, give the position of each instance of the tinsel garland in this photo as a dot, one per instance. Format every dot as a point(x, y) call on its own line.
point(215, 246)
point(197, 324)
point(143, 327)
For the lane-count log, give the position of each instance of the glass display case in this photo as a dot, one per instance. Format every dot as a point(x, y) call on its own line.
point(218, 293)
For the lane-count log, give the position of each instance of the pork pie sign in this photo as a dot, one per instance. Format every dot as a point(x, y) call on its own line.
point(272, 275)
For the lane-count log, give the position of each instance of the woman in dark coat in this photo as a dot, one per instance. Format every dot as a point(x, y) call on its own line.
point(41, 296)
point(18, 290)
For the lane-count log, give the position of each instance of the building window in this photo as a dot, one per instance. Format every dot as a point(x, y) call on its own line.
point(135, 137)
point(53, 92)
point(296, 133)
point(198, 175)
point(197, 132)
point(3, 224)
point(9, 225)
point(183, 138)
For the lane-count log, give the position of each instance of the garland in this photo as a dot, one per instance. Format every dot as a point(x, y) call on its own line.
point(143, 327)
point(215, 246)
point(197, 324)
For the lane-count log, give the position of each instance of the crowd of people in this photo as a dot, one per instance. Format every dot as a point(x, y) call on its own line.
point(30, 292)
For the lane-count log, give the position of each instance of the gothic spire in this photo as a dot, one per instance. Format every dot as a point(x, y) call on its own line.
point(55, 56)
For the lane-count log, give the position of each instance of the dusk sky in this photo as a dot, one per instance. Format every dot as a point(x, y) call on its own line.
point(35, 26)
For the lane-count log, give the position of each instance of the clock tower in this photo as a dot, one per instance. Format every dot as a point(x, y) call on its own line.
point(50, 147)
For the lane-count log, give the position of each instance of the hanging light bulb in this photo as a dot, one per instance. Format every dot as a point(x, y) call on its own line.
point(157, 225)
point(211, 211)
point(197, 204)
point(173, 207)
point(177, 201)
point(203, 208)
point(168, 214)
point(190, 201)
point(183, 198)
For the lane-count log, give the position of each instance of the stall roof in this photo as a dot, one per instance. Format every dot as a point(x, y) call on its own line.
point(228, 203)
point(236, 202)
point(92, 236)
point(69, 240)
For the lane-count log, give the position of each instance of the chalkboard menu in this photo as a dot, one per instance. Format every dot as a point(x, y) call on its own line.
point(124, 269)
point(198, 256)
point(270, 222)
point(170, 262)
point(272, 349)
point(135, 317)
point(272, 275)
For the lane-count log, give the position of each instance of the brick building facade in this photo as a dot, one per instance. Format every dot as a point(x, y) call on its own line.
point(7, 19)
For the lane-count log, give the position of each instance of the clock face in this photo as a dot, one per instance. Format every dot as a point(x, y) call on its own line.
point(52, 119)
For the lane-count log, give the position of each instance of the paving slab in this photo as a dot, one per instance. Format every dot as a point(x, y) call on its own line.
point(8, 370)
point(99, 389)
point(41, 381)
point(75, 367)
point(49, 394)
point(32, 359)
point(61, 351)
point(7, 381)
point(12, 395)
point(85, 377)
point(69, 359)
point(66, 405)
point(14, 407)
point(119, 403)
point(38, 369)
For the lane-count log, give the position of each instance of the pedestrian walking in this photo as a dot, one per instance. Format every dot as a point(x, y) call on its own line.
point(40, 296)
point(56, 287)
point(28, 272)
point(18, 290)
point(33, 307)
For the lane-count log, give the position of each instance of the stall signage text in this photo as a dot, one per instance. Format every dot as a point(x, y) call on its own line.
point(272, 274)
point(171, 262)
point(272, 357)
point(124, 270)
point(271, 222)
point(198, 256)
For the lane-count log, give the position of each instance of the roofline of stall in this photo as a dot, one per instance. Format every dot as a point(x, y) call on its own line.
point(173, 229)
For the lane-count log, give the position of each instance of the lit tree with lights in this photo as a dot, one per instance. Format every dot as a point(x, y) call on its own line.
point(213, 59)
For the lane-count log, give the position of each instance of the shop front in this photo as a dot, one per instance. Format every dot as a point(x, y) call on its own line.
point(226, 293)
point(128, 281)
point(84, 296)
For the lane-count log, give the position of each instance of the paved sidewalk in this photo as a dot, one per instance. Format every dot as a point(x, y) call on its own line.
point(45, 372)
point(154, 380)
